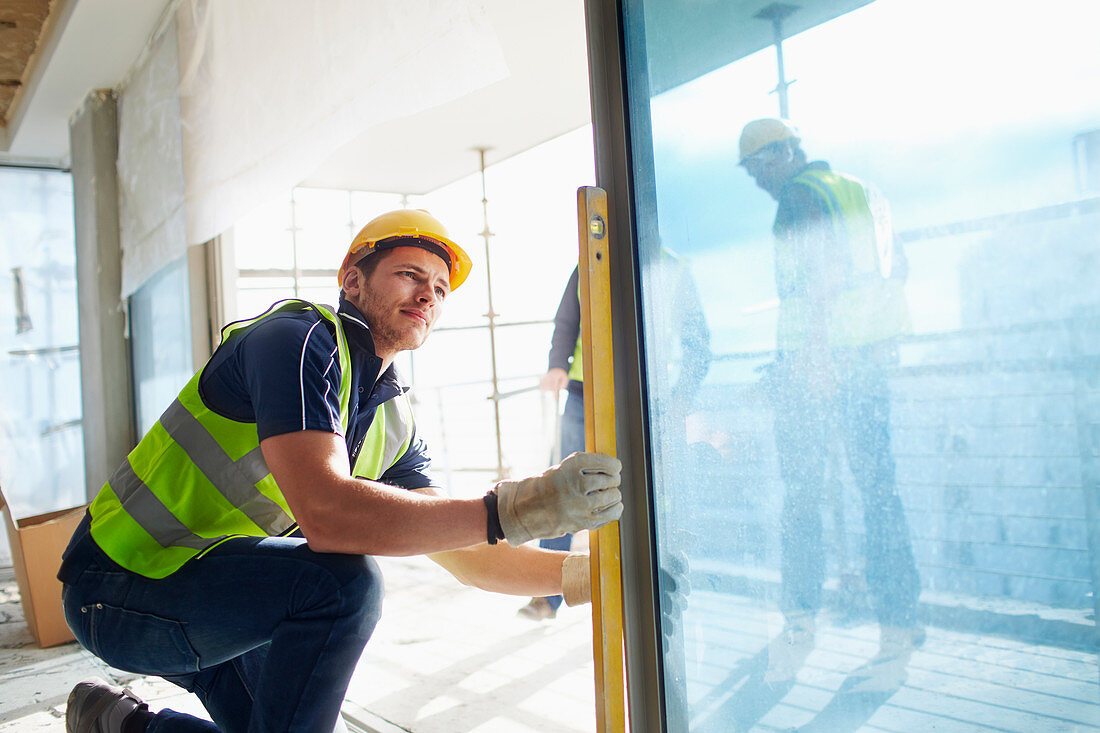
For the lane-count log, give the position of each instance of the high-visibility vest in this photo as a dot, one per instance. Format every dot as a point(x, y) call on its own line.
point(870, 306)
point(576, 369)
point(198, 478)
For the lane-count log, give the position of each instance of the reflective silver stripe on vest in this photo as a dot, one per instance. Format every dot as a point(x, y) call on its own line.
point(235, 480)
point(139, 501)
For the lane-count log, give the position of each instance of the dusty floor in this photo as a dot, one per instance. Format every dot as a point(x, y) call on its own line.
point(443, 658)
point(446, 658)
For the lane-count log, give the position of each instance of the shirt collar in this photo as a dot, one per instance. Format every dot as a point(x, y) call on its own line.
point(813, 165)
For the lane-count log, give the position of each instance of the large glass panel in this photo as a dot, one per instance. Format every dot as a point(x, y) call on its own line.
point(872, 359)
point(160, 334)
point(42, 446)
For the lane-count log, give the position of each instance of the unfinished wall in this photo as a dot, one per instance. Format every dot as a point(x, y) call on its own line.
point(104, 351)
point(270, 88)
point(150, 165)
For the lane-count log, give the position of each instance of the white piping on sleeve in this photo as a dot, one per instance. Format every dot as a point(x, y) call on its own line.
point(333, 419)
point(302, 370)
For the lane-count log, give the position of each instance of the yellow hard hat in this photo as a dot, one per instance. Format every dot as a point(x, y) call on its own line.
point(407, 228)
point(761, 133)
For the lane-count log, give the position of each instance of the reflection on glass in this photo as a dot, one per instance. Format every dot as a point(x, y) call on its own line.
point(876, 504)
point(678, 357)
point(161, 341)
point(839, 275)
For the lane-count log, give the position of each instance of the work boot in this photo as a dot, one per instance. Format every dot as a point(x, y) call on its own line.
point(888, 670)
point(95, 706)
point(537, 610)
point(898, 641)
point(788, 651)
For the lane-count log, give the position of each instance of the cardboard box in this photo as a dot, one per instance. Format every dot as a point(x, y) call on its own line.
point(36, 546)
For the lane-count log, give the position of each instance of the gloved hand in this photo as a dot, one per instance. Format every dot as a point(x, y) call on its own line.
point(674, 583)
point(576, 579)
point(579, 493)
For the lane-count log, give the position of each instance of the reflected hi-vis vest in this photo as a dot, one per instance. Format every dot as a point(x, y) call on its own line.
point(198, 478)
point(871, 304)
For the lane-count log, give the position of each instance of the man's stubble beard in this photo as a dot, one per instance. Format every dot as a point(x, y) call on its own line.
point(387, 338)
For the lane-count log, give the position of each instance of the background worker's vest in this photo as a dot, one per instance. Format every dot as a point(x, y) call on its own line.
point(198, 478)
point(671, 271)
point(871, 305)
point(576, 369)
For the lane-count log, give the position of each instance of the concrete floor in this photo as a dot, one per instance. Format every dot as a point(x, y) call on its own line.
point(446, 658)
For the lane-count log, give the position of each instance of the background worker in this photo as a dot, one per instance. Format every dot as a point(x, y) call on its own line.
point(230, 553)
point(685, 371)
point(839, 276)
point(565, 372)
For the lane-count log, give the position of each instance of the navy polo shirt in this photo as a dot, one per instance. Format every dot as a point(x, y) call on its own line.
point(283, 374)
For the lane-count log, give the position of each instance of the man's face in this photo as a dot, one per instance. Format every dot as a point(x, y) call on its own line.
point(402, 299)
point(770, 167)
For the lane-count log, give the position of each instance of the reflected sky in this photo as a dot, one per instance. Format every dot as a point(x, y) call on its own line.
point(954, 112)
point(950, 452)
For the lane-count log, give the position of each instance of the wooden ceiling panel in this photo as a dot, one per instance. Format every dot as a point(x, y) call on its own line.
point(21, 35)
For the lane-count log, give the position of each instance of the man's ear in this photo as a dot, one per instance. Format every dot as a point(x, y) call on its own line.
point(353, 281)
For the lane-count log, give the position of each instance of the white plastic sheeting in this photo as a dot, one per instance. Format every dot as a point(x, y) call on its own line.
point(152, 225)
point(270, 88)
point(237, 102)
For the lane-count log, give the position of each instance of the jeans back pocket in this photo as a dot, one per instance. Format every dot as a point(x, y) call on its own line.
point(137, 642)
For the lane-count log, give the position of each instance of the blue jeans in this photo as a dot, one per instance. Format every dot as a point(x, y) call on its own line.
point(264, 631)
point(803, 428)
point(572, 424)
point(572, 441)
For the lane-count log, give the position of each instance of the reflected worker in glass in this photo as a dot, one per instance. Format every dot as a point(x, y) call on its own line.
point(840, 279)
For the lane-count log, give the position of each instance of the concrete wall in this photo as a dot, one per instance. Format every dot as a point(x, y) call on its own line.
point(104, 347)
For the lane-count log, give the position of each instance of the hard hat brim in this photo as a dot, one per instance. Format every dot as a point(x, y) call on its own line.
point(457, 259)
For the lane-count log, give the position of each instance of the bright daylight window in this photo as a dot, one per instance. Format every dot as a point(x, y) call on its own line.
point(42, 446)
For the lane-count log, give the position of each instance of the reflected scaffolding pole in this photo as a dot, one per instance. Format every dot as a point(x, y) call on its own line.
point(776, 12)
point(486, 234)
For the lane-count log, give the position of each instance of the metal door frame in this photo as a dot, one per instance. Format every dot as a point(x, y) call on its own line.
point(613, 119)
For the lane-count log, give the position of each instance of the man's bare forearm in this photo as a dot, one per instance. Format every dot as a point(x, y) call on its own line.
point(501, 568)
point(338, 513)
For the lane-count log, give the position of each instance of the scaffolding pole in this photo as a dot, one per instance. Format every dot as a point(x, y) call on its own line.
point(775, 13)
point(486, 234)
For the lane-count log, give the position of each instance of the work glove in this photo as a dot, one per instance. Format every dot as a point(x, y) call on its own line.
point(576, 579)
point(579, 493)
point(674, 583)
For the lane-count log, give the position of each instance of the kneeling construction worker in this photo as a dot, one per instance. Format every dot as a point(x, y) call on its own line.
point(231, 551)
